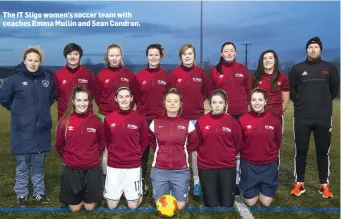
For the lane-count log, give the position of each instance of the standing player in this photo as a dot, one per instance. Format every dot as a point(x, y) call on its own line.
point(220, 138)
point(172, 137)
point(126, 139)
point(314, 84)
point(110, 79)
point(154, 82)
point(276, 84)
point(29, 94)
point(71, 75)
point(262, 136)
point(234, 78)
point(192, 82)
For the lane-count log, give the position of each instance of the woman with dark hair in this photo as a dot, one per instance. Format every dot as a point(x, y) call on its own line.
point(262, 137)
point(72, 74)
point(220, 138)
point(172, 137)
point(80, 143)
point(154, 83)
point(235, 79)
point(126, 134)
point(276, 84)
point(192, 82)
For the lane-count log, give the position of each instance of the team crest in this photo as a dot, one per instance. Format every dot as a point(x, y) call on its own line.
point(45, 83)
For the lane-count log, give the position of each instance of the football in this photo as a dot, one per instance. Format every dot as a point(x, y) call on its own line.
point(167, 206)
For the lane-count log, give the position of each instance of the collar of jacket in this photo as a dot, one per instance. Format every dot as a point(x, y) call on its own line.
point(313, 62)
point(21, 69)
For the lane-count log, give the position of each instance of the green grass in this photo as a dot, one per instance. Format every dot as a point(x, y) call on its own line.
point(282, 199)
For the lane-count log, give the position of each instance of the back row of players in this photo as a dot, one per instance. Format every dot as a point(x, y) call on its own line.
point(215, 139)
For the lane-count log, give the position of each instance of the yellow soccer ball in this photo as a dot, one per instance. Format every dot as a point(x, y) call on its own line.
point(167, 206)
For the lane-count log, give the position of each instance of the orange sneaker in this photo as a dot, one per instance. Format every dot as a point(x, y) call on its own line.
point(325, 191)
point(297, 189)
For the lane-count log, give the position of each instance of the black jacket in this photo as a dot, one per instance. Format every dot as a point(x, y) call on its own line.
point(313, 86)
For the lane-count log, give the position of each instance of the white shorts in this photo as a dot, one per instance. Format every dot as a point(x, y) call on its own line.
point(120, 180)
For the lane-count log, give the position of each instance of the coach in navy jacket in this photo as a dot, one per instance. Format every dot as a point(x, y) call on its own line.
point(29, 94)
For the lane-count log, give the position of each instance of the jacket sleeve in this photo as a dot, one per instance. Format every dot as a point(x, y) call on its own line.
point(200, 137)
point(95, 89)
point(60, 137)
point(334, 82)
point(7, 93)
point(211, 83)
point(56, 83)
point(134, 85)
point(248, 83)
point(107, 134)
point(144, 135)
point(53, 92)
point(193, 140)
point(205, 85)
point(101, 137)
point(292, 84)
point(151, 136)
point(238, 136)
point(278, 132)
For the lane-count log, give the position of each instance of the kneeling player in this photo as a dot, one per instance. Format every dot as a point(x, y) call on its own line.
point(126, 134)
point(80, 143)
point(262, 136)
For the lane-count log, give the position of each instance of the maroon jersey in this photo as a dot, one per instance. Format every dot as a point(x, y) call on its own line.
point(193, 85)
point(80, 140)
point(220, 138)
point(262, 137)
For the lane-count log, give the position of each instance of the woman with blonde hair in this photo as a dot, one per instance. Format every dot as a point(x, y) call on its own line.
point(80, 143)
point(110, 79)
point(29, 94)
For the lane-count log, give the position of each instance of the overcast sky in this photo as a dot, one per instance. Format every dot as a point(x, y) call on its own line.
point(282, 26)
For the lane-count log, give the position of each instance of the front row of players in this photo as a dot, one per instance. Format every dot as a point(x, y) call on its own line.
point(216, 136)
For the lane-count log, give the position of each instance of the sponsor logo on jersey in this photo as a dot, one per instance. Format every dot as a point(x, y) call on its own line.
point(131, 126)
point(197, 79)
point(25, 83)
point(125, 79)
point(91, 130)
point(162, 82)
point(225, 129)
point(82, 81)
point(239, 75)
point(269, 127)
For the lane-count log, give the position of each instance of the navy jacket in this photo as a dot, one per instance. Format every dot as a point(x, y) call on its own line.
point(29, 98)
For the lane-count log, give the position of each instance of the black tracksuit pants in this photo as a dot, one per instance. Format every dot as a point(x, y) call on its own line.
point(322, 130)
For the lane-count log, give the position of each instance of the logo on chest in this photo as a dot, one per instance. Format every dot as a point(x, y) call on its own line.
point(132, 126)
point(112, 125)
point(107, 81)
point(63, 82)
point(207, 127)
point(179, 80)
point(70, 128)
point(25, 83)
point(91, 130)
point(239, 75)
point(197, 80)
point(125, 79)
point(269, 127)
point(82, 81)
point(45, 83)
point(324, 72)
point(161, 82)
point(226, 129)
point(181, 127)
point(248, 127)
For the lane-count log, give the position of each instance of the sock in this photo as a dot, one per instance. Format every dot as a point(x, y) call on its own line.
point(196, 180)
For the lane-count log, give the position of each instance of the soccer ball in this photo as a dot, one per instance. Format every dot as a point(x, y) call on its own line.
point(167, 206)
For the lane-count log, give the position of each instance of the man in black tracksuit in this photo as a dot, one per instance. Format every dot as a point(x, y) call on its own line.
point(314, 83)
